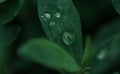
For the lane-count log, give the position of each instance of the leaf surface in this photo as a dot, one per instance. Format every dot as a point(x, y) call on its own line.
point(9, 9)
point(49, 54)
point(61, 23)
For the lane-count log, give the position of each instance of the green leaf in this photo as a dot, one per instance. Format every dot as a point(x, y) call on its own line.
point(110, 59)
point(49, 54)
point(9, 9)
point(106, 41)
point(106, 33)
point(61, 23)
point(8, 34)
point(88, 52)
point(116, 4)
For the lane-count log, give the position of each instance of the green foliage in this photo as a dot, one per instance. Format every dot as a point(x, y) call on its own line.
point(49, 36)
point(7, 35)
point(9, 9)
point(57, 22)
point(88, 52)
point(49, 54)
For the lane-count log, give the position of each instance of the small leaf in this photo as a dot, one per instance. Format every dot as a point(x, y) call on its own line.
point(88, 52)
point(9, 9)
point(116, 4)
point(49, 54)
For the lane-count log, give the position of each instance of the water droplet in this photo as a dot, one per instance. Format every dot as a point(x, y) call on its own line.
point(52, 25)
point(68, 38)
point(102, 55)
point(58, 15)
point(47, 15)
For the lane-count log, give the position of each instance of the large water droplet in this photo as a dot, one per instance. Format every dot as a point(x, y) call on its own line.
point(47, 15)
point(58, 15)
point(68, 38)
point(52, 25)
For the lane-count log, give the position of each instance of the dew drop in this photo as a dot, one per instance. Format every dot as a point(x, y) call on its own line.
point(47, 15)
point(52, 25)
point(68, 38)
point(58, 15)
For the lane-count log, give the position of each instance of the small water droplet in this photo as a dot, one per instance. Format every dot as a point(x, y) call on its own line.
point(52, 25)
point(58, 15)
point(47, 15)
point(68, 38)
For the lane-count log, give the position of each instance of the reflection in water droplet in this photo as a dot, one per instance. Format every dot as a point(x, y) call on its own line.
point(52, 25)
point(68, 38)
point(58, 15)
point(47, 15)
